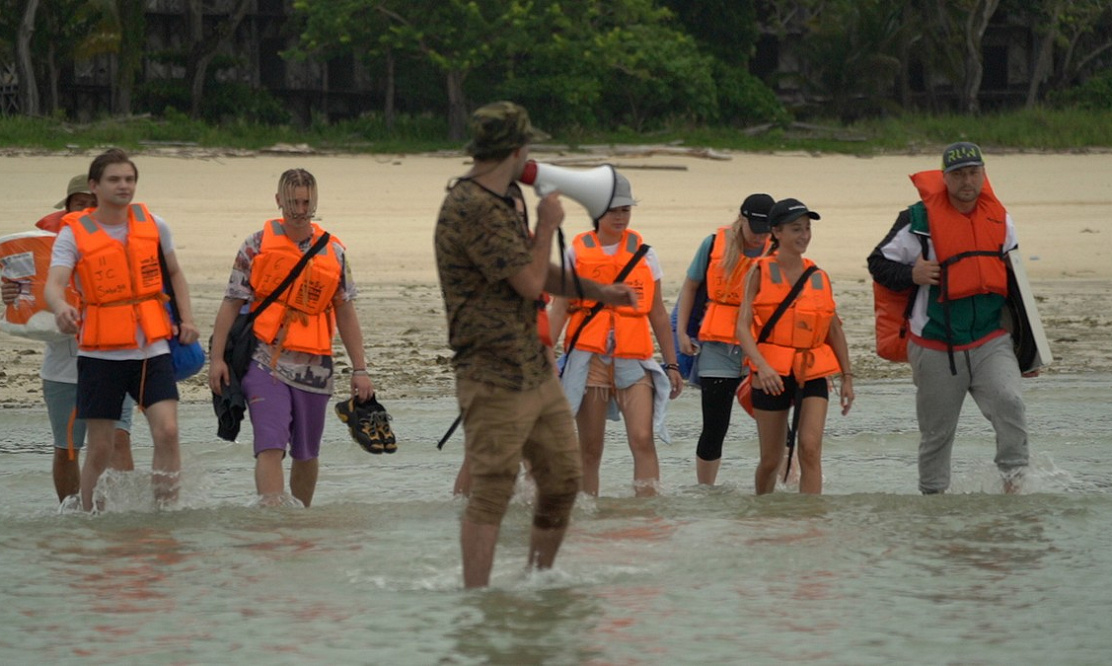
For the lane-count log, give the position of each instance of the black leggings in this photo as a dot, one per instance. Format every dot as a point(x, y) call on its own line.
point(718, 403)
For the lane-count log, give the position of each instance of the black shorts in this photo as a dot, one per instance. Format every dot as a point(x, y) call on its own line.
point(101, 384)
point(814, 388)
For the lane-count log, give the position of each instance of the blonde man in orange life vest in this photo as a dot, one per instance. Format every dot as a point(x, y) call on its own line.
point(111, 252)
point(951, 246)
point(289, 381)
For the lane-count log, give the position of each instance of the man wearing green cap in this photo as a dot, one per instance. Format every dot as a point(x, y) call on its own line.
point(491, 274)
point(950, 249)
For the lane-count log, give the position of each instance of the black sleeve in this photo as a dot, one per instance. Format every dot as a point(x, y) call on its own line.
point(889, 273)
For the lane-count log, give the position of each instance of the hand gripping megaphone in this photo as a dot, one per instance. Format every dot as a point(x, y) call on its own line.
point(594, 188)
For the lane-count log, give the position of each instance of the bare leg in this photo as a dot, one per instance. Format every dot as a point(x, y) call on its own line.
point(166, 460)
point(477, 542)
point(591, 422)
point(543, 547)
point(269, 480)
point(791, 476)
point(812, 422)
point(303, 479)
point(67, 474)
point(98, 451)
point(706, 471)
point(636, 403)
point(121, 451)
point(772, 430)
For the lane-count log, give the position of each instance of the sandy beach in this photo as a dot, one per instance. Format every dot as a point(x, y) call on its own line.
point(384, 209)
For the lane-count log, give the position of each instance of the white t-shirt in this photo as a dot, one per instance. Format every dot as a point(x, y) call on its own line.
point(59, 361)
point(65, 254)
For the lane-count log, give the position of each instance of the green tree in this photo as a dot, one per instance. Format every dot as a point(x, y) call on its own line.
point(205, 42)
point(955, 32)
point(589, 63)
point(853, 54)
point(133, 34)
point(353, 27)
point(25, 62)
point(455, 36)
point(49, 37)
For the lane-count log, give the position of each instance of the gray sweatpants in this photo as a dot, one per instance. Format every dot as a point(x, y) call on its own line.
point(990, 373)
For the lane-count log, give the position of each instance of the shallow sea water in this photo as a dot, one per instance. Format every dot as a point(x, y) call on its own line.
point(869, 573)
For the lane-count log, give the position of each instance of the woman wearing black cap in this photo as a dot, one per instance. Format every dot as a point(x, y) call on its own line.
point(720, 267)
point(792, 355)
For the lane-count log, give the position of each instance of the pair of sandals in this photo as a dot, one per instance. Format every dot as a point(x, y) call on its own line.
point(369, 424)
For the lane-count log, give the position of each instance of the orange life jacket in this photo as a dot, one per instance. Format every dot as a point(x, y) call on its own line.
point(797, 343)
point(724, 292)
point(301, 319)
point(543, 328)
point(121, 286)
point(629, 324)
point(970, 248)
point(52, 222)
point(892, 310)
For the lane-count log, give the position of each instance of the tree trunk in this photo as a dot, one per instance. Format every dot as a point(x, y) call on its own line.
point(28, 86)
point(1043, 60)
point(52, 76)
point(202, 50)
point(975, 25)
point(388, 111)
point(457, 106)
point(133, 30)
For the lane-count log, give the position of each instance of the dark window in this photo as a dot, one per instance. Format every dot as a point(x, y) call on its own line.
point(995, 68)
point(272, 68)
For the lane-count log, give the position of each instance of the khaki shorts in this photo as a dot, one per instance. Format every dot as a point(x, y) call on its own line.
point(502, 426)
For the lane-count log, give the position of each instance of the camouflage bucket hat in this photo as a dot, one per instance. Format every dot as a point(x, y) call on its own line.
point(499, 127)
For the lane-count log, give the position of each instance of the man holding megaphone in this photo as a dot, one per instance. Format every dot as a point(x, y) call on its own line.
point(491, 274)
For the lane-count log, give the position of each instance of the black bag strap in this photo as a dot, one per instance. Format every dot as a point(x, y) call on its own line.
point(294, 272)
point(767, 331)
point(168, 286)
point(785, 304)
point(598, 306)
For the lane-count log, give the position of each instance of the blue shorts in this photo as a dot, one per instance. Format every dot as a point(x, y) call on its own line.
point(282, 415)
point(61, 409)
point(103, 384)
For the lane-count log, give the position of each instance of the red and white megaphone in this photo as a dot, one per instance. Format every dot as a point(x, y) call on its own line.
point(594, 188)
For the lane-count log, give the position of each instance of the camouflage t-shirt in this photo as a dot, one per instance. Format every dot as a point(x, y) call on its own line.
point(480, 242)
point(308, 372)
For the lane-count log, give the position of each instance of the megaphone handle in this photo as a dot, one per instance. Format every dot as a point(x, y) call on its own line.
point(544, 189)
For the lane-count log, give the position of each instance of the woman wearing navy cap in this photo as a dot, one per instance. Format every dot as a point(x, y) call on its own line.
point(720, 266)
point(792, 356)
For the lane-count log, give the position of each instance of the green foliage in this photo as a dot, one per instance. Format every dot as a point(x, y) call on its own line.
point(725, 29)
point(851, 57)
point(745, 100)
point(222, 101)
point(1093, 95)
point(583, 65)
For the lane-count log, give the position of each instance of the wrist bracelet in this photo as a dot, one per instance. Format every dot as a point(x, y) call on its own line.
point(359, 371)
point(671, 366)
